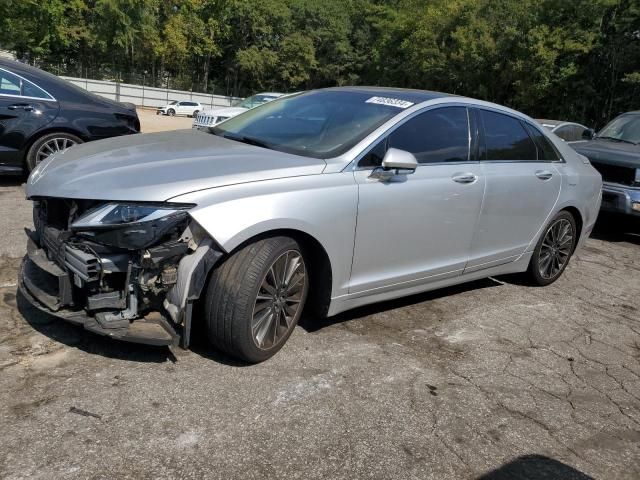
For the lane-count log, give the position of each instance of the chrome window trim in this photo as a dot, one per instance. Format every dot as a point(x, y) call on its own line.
point(405, 119)
point(50, 99)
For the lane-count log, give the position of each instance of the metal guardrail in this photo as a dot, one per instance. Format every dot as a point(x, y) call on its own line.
point(143, 96)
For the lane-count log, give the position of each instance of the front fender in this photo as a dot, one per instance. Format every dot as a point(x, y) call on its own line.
point(323, 206)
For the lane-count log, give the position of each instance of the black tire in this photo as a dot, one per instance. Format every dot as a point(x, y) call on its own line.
point(34, 154)
point(195, 113)
point(232, 296)
point(535, 272)
point(171, 112)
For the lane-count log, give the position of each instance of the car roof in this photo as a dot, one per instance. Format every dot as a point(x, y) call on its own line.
point(414, 96)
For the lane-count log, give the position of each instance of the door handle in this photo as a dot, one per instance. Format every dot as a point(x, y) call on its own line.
point(464, 177)
point(21, 106)
point(544, 174)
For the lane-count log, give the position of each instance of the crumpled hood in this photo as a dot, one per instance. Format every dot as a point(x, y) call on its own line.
point(224, 111)
point(159, 166)
point(610, 152)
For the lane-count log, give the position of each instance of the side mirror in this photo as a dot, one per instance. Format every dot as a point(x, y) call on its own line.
point(588, 134)
point(395, 162)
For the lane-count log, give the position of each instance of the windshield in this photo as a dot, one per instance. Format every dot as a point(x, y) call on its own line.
point(174, 102)
point(625, 128)
point(254, 101)
point(319, 124)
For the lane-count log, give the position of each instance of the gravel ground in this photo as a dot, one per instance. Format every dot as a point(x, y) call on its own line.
point(491, 380)
point(150, 122)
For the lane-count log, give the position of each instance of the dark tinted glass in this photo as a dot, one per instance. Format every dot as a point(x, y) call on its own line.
point(440, 135)
point(506, 138)
point(30, 90)
point(9, 83)
point(375, 155)
point(546, 151)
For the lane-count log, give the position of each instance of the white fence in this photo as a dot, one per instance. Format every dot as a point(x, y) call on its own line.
point(143, 96)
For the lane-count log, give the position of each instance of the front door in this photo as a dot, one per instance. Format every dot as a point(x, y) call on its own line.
point(418, 227)
point(522, 187)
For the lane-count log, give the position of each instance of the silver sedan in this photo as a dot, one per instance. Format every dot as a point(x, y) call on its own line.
point(317, 202)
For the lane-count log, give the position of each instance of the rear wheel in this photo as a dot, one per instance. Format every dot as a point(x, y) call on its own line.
point(47, 145)
point(255, 298)
point(195, 113)
point(554, 249)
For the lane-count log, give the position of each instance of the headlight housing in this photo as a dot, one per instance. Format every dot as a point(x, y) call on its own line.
point(131, 226)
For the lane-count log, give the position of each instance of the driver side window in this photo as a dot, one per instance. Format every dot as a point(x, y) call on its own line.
point(436, 136)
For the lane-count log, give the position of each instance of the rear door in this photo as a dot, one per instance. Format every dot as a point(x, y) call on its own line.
point(25, 108)
point(522, 188)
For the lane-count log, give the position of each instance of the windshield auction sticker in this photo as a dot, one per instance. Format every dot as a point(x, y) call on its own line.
point(391, 102)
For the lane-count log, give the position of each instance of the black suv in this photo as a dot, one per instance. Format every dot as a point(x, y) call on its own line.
point(615, 153)
point(41, 114)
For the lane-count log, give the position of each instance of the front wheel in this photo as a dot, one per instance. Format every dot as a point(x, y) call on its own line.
point(554, 249)
point(255, 298)
point(171, 112)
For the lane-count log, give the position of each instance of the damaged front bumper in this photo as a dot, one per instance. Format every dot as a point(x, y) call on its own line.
point(143, 296)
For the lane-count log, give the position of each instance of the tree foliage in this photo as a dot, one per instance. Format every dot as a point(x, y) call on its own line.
point(577, 60)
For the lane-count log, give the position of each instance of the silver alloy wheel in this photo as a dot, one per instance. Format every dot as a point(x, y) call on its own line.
point(51, 146)
point(556, 248)
point(279, 299)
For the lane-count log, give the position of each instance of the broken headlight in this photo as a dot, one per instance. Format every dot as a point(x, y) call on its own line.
point(132, 226)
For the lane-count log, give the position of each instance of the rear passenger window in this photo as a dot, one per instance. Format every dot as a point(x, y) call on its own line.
point(506, 138)
point(9, 83)
point(30, 90)
point(546, 151)
point(439, 135)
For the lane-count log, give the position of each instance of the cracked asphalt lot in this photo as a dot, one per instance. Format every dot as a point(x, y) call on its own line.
point(491, 380)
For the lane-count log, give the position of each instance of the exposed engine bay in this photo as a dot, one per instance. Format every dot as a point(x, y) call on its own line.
point(130, 271)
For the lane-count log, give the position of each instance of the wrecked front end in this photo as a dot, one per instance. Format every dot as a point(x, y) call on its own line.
point(130, 271)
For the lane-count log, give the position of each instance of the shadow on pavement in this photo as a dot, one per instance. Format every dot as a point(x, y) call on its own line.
point(75, 336)
point(535, 467)
point(617, 228)
point(312, 324)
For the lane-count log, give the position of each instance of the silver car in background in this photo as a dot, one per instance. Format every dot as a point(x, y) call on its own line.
point(318, 202)
point(567, 131)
